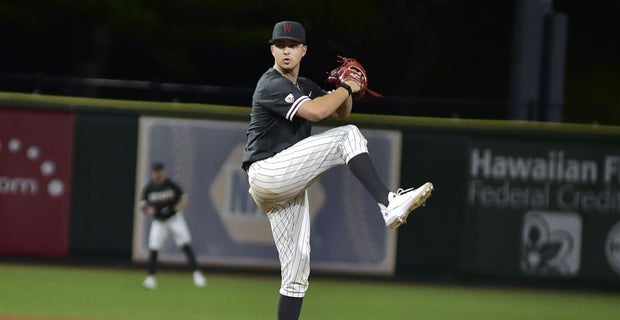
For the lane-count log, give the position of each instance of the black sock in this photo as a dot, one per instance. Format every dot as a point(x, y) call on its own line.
point(152, 262)
point(363, 169)
point(191, 259)
point(289, 308)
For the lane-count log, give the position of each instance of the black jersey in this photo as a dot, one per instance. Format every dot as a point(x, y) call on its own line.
point(164, 195)
point(273, 122)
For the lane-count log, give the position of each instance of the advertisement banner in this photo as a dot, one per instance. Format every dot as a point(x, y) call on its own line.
point(36, 152)
point(204, 157)
point(543, 208)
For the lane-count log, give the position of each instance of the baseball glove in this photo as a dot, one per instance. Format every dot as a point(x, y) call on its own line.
point(351, 69)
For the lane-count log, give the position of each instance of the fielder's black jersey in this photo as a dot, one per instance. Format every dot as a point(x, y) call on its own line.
point(274, 125)
point(161, 196)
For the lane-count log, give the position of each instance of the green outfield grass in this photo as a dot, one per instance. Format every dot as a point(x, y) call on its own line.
point(89, 293)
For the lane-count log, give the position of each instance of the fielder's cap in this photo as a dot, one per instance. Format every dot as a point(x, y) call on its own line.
point(288, 30)
point(157, 166)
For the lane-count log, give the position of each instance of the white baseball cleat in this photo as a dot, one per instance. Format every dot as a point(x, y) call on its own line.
point(403, 202)
point(199, 280)
point(150, 282)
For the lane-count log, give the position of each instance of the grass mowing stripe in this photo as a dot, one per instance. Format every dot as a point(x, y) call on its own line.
point(100, 294)
point(84, 293)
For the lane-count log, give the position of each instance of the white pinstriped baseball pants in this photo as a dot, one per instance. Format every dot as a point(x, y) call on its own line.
point(278, 185)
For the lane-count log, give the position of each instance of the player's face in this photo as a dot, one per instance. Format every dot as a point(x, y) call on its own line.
point(159, 176)
point(288, 54)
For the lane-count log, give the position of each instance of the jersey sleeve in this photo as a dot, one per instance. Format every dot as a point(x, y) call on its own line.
point(316, 90)
point(282, 97)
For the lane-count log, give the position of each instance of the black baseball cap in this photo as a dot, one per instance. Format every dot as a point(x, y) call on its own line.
point(157, 166)
point(288, 30)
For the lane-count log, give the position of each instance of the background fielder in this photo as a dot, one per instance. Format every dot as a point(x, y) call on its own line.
point(164, 200)
point(283, 159)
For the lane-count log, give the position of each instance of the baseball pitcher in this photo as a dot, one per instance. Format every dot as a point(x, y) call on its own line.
point(282, 158)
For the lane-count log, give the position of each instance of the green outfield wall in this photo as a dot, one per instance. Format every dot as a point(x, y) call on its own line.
point(513, 199)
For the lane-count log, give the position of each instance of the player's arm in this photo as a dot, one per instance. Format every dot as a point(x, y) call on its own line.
point(344, 111)
point(144, 205)
point(181, 204)
point(146, 208)
point(337, 104)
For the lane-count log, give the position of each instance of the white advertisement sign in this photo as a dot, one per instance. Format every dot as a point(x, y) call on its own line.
point(228, 229)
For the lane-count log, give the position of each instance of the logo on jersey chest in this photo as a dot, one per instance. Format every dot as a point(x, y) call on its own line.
point(290, 98)
point(161, 196)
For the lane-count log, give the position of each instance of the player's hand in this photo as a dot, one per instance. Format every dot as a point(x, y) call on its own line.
point(150, 210)
point(355, 86)
point(353, 74)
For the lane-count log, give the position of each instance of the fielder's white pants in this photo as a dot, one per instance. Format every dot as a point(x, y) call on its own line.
point(175, 226)
point(278, 186)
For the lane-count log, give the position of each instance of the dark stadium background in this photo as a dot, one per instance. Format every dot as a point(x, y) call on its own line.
point(83, 81)
point(432, 57)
